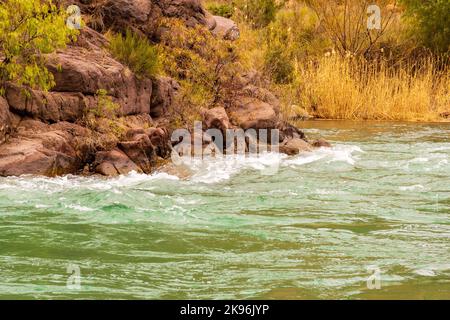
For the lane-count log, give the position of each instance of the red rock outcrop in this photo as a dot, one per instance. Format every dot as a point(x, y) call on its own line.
point(114, 162)
point(295, 146)
point(251, 113)
point(42, 132)
point(83, 71)
point(40, 149)
point(216, 118)
point(164, 91)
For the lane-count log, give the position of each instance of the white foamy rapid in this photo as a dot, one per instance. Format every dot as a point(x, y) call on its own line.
point(207, 170)
point(218, 169)
point(339, 153)
point(68, 182)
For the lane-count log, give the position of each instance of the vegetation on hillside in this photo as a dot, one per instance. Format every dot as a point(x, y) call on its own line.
point(28, 30)
point(205, 66)
point(320, 56)
point(108, 128)
point(430, 22)
point(136, 52)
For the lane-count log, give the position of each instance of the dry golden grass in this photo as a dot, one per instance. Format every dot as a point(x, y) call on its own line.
point(346, 88)
point(406, 87)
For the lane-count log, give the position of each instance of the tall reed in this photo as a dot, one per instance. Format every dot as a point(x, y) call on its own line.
point(350, 88)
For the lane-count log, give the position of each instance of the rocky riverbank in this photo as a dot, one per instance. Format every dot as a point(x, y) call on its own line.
point(46, 133)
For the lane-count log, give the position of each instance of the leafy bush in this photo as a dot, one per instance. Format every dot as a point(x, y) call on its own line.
point(106, 108)
point(108, 128)
point(430, 21)
point(221, 9)
point(259, 13)
point(205, 66)
point(291, 38)
point(29, 29)
point(136, 52)
point(279, 65)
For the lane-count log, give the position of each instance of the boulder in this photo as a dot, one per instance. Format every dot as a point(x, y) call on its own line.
point(263, 95)
point(85, 71)
point(141, 151)
point(159, 137)
point(226, 28)
point(164, 91)
point(91, 39)
point(190, 11)
point(75, 130)
point(319, 143)
point(211, 22)
point(251, 113)
point(38, 151)
point(106, 160)
point(144, 15)
point(48, 106)
point(295, 146)
point(5, 120)
point(216, 118)
point(29, 126)
point(288, 131)
point(106, 169)
point(136, 10)
point(138, 121)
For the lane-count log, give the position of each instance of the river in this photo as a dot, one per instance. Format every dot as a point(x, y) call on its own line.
point(367, 219)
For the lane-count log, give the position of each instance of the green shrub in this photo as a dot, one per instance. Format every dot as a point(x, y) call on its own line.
point(221, 9)
point(136, 52)
point(108, 128)
point(291, 38)
point(29, 29)
point(296, 29)
point(106, 108)
point(204, 65)
point(259, 13)
point(431, 22)
point(279, 65)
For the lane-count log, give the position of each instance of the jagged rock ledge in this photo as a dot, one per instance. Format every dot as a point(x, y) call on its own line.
point(43, 133)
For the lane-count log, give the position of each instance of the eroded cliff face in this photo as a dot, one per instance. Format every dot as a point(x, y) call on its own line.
point(47, 133)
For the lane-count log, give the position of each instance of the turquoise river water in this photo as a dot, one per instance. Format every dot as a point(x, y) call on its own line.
point(367, 219)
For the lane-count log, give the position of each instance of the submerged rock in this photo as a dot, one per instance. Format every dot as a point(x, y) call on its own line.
point(288, 131)
point(114, 162)
point(295, 146)
point(321, 143)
